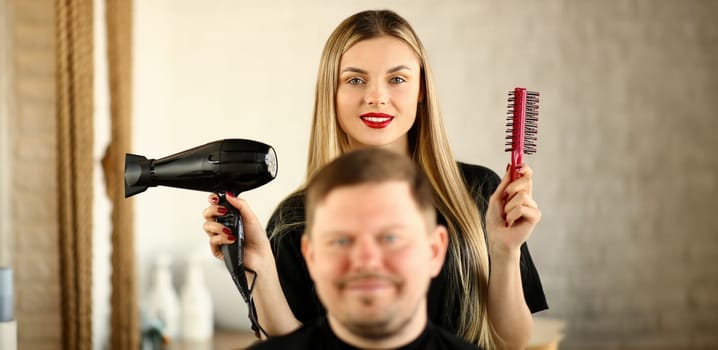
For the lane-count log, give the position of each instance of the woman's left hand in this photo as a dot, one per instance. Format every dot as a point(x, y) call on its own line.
point(512, 213)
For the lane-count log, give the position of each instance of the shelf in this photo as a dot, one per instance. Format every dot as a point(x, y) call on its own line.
point(222, 340)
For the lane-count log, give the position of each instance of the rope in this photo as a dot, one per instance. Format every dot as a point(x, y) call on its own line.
point(125, 312)
point(74, 90)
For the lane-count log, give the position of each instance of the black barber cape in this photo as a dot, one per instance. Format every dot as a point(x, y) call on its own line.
point(317, 335)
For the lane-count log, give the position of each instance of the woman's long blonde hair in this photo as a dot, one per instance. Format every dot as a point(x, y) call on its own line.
point(467, 262)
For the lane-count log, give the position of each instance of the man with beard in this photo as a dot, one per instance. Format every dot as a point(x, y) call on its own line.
point(372, 245)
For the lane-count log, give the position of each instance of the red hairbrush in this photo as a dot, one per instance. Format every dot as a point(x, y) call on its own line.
point(522, 126)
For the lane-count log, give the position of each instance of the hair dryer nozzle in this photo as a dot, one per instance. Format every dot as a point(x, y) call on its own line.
point(137, 174)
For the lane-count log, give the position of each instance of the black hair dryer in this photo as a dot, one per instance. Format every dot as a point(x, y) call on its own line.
point(230, 165)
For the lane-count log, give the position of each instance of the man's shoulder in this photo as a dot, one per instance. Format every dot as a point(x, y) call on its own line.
point(288, 217)
point(303, 338)
point(294, 202)
point(477, 173)
point(446, 340)
point(480, 181)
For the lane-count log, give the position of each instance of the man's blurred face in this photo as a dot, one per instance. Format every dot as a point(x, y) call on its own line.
point(372, 253)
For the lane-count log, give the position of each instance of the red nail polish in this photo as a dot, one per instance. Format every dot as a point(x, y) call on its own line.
point(232, 238)
point(215, 200)
point(222, 210)
point(227, 231)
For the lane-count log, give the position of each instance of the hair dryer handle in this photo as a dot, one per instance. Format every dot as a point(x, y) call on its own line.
point(233, 254)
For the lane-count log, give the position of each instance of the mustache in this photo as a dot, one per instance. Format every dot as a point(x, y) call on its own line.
point(367, 276)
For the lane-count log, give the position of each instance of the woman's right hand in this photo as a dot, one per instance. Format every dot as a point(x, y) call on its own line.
point(273, 311)
point(256, 250)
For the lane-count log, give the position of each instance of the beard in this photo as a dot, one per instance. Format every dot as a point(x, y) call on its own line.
point(370, 316)
point(375, 329)
point(377, 326)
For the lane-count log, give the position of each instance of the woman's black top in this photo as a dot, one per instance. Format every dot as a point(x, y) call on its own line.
point(299, 288)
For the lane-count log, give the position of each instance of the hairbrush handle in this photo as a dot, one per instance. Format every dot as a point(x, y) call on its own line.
point(522, 126)
point(519, 121)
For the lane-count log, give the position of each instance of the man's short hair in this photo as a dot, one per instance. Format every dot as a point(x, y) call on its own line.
point(369, 165)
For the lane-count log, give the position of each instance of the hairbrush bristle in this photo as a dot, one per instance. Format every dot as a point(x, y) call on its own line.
point(527, 107)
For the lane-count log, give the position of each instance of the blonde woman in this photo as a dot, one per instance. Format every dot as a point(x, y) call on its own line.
point(375, 89)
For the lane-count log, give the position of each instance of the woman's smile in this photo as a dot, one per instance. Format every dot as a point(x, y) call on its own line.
point(377, 120)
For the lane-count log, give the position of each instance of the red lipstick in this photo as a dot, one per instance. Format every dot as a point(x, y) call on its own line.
point(377, 120)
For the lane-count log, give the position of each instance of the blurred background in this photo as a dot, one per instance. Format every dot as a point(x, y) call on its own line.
point(628, 246)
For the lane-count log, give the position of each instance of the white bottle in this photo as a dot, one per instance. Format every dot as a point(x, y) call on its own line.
point(8, 325)
point(197, 312)
point(163, 303)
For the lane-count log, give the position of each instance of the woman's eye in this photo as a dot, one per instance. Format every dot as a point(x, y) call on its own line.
point(397, 80)
point(355, 81)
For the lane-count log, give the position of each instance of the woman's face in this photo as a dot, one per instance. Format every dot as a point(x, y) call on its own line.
point(378, 91)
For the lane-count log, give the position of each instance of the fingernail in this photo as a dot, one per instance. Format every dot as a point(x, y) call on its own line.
point(231, 194)
point(222, 210)
point(215, 200)
point(231, 238)
point(227, 231)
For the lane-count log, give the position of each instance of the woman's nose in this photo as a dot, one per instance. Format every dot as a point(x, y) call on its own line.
point(376, 95)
